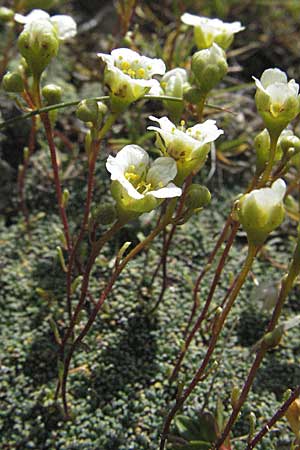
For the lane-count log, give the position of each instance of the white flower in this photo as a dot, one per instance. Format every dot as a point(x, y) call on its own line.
point(188, 147)
point(143, 184)
point(207, 31)
point(64, 25)
point(262, 210)
point(276, 99)
point(129, 75)
point(173, 82)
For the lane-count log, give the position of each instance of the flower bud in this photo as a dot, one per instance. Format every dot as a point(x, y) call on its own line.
point(209, 67)
point(261, 211)
point(91, 111)
point(293, 416)
point(276, 100)
point(12, 82)
point(104, 214)
point(52, 93)
point(38, 44)
point(262, 144)
point(6, 14)
point(197, 196)
point(273, 338)
point(173, 83)
point(234, 398)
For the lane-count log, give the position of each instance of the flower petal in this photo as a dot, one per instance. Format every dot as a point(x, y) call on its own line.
point(170, 191)
point(35, 14)
point(65, 25)
point(271, 76)
point(162, 171)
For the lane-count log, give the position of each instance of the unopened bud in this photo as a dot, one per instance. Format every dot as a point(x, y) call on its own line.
point(209, 66)
point(235, 395)
point(65, 198)
point(262, 146)
point(38, 44)
point(6, 14)
point(91, 111)
point(273, 338)
point(26, 154)
point(293, 417)
point(52, 93)
point(12, 82)
point(197, 196)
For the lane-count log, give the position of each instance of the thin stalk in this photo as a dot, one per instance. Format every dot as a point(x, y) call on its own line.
point(202, 316)
point(204, 271)
point(118, 269)
point(22, 174)
point(91, 172)
point(277, 416)
point(286, 287)
point(103, 98)
point(216, 332)
point(267, 172)
point(200, 108)
point(166, 246)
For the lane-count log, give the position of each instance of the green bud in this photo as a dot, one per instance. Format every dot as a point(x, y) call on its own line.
point(52, 93)
point(209, 66)
point(104, 214)
point(65, 198)
point(38, 44)
point(173, 83)
point(26, 154)
point(273, 338)
point(234, 398)
point(262, 144)
point(197, 196)
point(13, 82)
point(193, 95)
point(6, 14)
point(261, 211)
point(91, 111)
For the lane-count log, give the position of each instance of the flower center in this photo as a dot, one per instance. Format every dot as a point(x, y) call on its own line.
point(133, 70)
point(138, 181)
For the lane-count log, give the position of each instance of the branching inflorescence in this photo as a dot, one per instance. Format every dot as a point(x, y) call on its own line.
point(141, 185)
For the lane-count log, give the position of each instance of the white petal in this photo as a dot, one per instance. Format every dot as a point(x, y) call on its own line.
point(155, 89)
point(108, 59)
point(162, 170)
point(66, 26)
point(130, 155)
point(191, 19)
point(271, 76)
point(279, 187)
point(294, 86)
point(177, 72)
point(169, 191)
point(205, 132)
point(153, 66)
point(164, 122)
point(259, 85)
point(35, 14)
point(125, 54)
